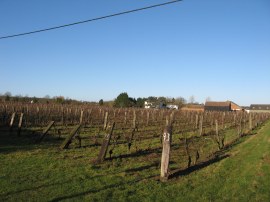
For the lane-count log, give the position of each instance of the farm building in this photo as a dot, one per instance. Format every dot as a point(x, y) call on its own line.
point(193, 107)
point(171, 106)
point(221, 106)
point(148, 105)
point(259, 108)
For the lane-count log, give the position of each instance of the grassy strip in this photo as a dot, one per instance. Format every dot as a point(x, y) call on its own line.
point(32, 172)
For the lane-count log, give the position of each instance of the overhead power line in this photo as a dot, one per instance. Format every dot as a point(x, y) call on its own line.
point(90, 20)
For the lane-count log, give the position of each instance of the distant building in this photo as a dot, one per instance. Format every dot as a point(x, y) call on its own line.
point(157, 105)
point(221, 106)
point(193, 107)
point(259, 108)
point(171, 106)
point(148, 105)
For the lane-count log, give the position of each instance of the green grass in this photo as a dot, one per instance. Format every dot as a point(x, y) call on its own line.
point(32, 172)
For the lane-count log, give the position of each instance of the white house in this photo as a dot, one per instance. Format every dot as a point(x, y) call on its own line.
point(172, 106)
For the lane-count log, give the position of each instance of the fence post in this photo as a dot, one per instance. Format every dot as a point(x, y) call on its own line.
point(105, 121)
point(12, 121)
point(250, 122)
point(105, 145)
point(134, 119)
point(20, 125)
point(165, 158)
point(201, 126)
point(81, 117)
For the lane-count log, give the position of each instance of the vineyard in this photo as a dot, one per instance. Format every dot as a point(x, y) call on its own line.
point(166, 143)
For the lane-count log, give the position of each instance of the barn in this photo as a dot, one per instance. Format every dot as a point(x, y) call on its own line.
point(259, 108)
point(221, 106)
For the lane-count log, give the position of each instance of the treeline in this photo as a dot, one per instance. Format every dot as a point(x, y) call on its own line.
point(123, 100)
point(8, 97)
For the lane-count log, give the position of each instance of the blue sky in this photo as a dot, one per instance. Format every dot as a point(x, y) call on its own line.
point(217, 49)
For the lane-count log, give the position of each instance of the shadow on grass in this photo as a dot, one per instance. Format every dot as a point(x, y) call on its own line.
point(178, 173)
point(36, 188)
point(93, 191)
point(142, 168)
point(217, 156)
point(11, 142)
point(137, 154)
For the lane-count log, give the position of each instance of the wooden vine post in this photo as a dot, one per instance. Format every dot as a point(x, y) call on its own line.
point(125, 118)
point(250, 122)
point(165, 158)
point(45, 131)
point(147, 118)
point(20, 125)
point(105, 121)
point(12, 121)
point(68, 140)
point(196, 121)
point(105, 145)
point(134, 119)
point(217, 134)
point(81, 117)
point(201, 126)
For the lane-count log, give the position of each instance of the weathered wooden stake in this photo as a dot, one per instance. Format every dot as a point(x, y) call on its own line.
point(240, 130)
point(216, 122)
point(105, 121)
point(81, 117)
point(234, 119)
point(167, 120)
point(62, 115)
point(105, 145)
point(20, 125)
point(147, 118)
point(131, 138)
point(165, 158)
point(67, 141)
point(125, 118)
point(134, 119)
point(12, 121)
point(196, 123)
point(223, 120)
point(172, 118)
point(45, 131)
point(250, 122)
point(201, 126)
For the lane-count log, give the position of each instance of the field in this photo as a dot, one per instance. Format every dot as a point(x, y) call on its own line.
point(222, 156)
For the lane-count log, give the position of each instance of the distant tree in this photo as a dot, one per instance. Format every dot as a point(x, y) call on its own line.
point(191, 99)
point(123, 100)
point(152, 99)
point(208, 99)
point(180, 101)
point(47, 97)
point(67, 101)
point(7, 96)
point(140, 102)
point(60, 99)
point(101, 102)
point(162, 100)
point(26, 98)
point(35, 100)
point(16, 98)
point(132, 102)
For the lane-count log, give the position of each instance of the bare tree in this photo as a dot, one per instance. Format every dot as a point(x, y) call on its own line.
point(208, 99)
point(191, 99)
